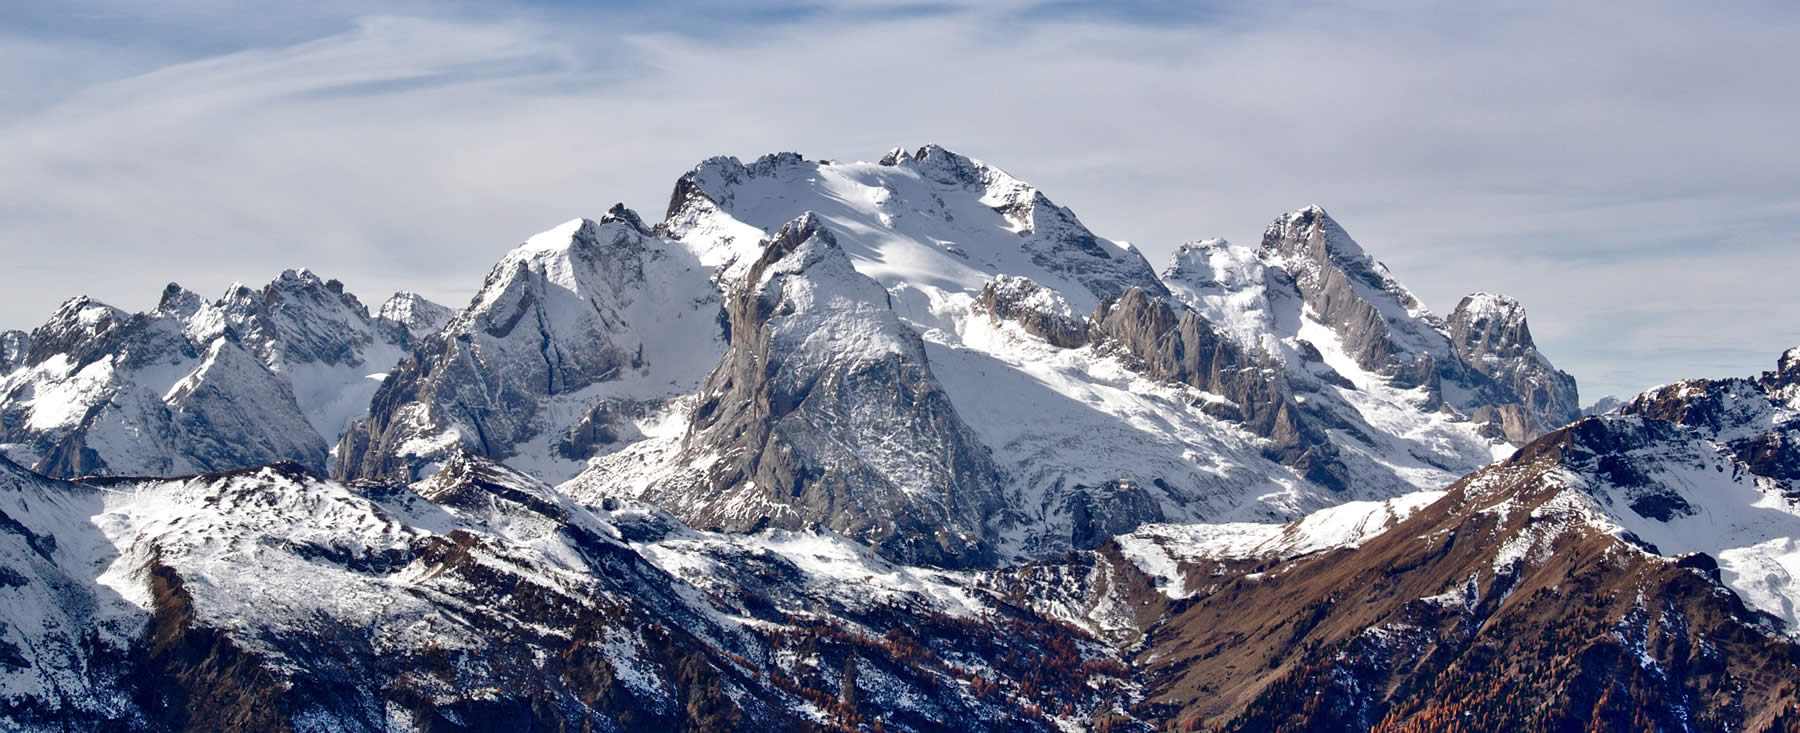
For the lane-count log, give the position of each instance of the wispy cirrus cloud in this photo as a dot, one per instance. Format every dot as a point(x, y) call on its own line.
point(1627, 171)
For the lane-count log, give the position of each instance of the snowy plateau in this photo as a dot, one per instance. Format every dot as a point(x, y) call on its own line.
point(893, 445)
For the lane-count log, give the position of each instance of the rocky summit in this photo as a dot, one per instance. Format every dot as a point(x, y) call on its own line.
point(898, 445)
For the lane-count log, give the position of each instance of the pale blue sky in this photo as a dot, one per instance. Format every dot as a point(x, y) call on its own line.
point(1627, 170)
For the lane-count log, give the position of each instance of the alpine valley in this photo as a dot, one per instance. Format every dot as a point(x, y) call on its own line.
point(889, 446)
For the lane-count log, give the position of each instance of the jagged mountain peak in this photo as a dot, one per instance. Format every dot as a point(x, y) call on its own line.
point(298, 318)
point(574, 333)
point(619, 228)
point(1309, 239)
point(179, 302)
point(792, 235)
point(954, 169)
point(1197, 264)
point(1197, 248)
point(79, 329)
point(1314, 299)
point(1230, 286)
point(620, 213)
point(1493, 304)
point(401, 304)
point(304, 284)
point(1308, 221)
point(1486, 323)
point(581, 260)
point(556, 302)
point(413, 316)
point(713, 178)
point(823, 302)
point(1602, 406)
point(255, 376)
point(87, 310)
point(567, 235)
point(800, 246)
point(1787, 368)
point(1385, 328)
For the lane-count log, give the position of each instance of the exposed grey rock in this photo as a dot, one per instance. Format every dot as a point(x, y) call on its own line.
point(81, 330)
point(1483, 362)
point(179, 302)
point(715, 177)
point(607, 423)
point(1490, 334)
point(1787, 370)
point(1039, 310)
point(566, 311)
point(894, 156)
point(1183, 347)
point(229, 412)
point(221, 432)
point(1383, 326)
point(1099, 513)
point(408, 318)
point(1753, 417)
point(299, 318)
point(13, 347)
point(1509, 422)
point(1602, 406)
point(547, 321)
point(824, 411)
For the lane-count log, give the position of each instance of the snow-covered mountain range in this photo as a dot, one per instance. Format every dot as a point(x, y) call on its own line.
point(254, 377)
point(834, 444)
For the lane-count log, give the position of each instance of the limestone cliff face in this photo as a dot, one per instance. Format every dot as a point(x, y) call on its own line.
point(13, 346)
point(586, 304)
point(824, 411)
point(1490, 334)
point(1383, 326)
point(1037, 309)
point(1481, 362)
point(1183, 347)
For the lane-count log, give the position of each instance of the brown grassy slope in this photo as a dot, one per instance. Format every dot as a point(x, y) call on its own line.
point(1344, 640)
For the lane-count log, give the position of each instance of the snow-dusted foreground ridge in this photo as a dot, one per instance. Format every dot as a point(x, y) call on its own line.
point(846, 444)
point(270, 598)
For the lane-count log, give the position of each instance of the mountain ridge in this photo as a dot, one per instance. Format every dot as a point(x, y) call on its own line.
point(892, 445)
point(592, 340)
